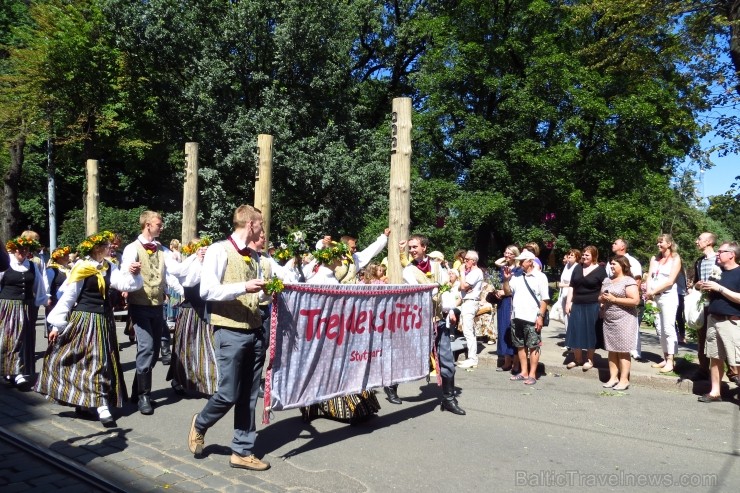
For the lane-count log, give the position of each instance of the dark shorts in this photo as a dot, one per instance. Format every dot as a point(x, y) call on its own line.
point(523, 334)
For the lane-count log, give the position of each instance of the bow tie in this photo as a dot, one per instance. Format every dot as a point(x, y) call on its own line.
point(151, 247)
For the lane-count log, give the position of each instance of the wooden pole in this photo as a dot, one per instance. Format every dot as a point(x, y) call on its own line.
point(190, 194)
point(93, 197)
point(263, 180)
point(399, 212)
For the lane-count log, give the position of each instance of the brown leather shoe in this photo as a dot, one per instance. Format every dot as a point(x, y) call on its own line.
point(250, 462)
point(196, 440)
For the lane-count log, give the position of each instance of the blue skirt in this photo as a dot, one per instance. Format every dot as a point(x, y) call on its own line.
point(504, 346)
point(582, 326)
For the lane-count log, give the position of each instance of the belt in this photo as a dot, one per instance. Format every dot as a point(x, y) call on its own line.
point(723, 318)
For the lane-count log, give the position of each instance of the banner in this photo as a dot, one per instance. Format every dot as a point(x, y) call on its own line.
point(335, 340)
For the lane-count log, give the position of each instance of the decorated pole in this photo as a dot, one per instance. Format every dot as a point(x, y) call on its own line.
point(190, 194)
point(93, 197)
point(399, 211)
point(263, 180)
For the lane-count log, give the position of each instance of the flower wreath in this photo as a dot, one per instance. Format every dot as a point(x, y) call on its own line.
point(60, 252)
point(92, 241)
point(294, 246)
point(337, 250)
point(22, 242)
point(194, 246)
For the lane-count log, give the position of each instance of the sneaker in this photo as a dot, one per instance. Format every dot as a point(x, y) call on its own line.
point(196, 440)
point(250, 462)
point(468, 363)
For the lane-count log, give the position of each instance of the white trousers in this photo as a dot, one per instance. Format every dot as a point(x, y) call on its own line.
point(467, 315)
point(665, 321)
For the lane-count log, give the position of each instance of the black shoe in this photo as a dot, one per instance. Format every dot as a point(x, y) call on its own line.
point(167, 359)
point(261, 391)
point(392, 395)
point(179, 389)
point(451, 406)
point(145, 405)
point(108, 422)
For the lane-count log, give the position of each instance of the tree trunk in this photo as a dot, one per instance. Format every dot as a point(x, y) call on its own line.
point(11, 213)
point(733, 15)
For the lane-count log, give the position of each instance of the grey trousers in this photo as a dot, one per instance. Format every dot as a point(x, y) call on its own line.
point(148, 324)
point(240, 355)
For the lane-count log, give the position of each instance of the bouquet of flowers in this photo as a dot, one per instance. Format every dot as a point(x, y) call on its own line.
point(326, 256)
point(274, 286)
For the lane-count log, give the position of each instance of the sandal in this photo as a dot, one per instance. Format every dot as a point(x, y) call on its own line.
point(517, 377)
point(658, 365)
point(530, 381)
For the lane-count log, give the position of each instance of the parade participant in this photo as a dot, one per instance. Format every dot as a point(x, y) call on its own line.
point(422, 270)
point(529, 302)
point(347, 273)
point(145, 306)
point(471, 285)
point(723, 337)
point(355, 407)
point(231, 282)
point(21, 286)
point(81, 366)
point(193, 365)
point(56, 273)
point(36, 258)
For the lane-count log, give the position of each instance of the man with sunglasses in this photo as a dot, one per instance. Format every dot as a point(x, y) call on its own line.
point(723, 322)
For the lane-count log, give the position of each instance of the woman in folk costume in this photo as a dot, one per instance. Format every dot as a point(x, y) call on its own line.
point(193, 354)
point(22, 286)
point(351, 408)
point(81, 366)
point(57, 271)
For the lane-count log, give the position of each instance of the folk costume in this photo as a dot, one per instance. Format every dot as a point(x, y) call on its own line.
point(240, 345)
point(427, 272)
point(82, 368)
point(21, 287)
point(193, 365)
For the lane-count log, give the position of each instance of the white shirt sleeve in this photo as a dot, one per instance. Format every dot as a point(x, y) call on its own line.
point(214, 266)
point(58, 316)
point(364, 257)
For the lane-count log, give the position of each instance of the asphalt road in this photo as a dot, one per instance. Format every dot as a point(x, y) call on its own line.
point(565, 433)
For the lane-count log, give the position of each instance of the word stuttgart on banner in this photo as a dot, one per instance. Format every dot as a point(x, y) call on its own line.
point(334, 340)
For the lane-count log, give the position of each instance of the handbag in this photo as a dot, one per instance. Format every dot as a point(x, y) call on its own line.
point(546, 318)
point(693, 309)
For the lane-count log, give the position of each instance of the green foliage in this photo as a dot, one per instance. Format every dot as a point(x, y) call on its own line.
point(122, 221)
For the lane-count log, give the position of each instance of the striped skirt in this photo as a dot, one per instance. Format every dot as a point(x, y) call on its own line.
point(352, 408)
point(193, 355)
point(17, 351)
point(83, 368)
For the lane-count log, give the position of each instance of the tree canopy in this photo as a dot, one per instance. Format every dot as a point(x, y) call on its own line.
point(563, 123)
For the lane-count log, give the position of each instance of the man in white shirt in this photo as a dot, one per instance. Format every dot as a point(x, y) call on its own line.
point(145, 306)
point(471, 285)
point(619, 247)
point(529, 303)
point(231, 281)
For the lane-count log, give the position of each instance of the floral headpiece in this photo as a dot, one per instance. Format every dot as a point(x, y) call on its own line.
point(294, 246)
point(193, 246)
point(337, 250)
point(92, 241)
point(23, 242)
point(60, 252)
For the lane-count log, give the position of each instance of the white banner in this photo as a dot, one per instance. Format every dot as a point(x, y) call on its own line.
point(334, 340)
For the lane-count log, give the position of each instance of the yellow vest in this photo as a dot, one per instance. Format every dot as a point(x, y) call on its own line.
point(242, 312)
point(152, 270)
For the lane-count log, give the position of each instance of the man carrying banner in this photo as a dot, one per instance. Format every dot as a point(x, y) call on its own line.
point(422, 270)
point(231, 280)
